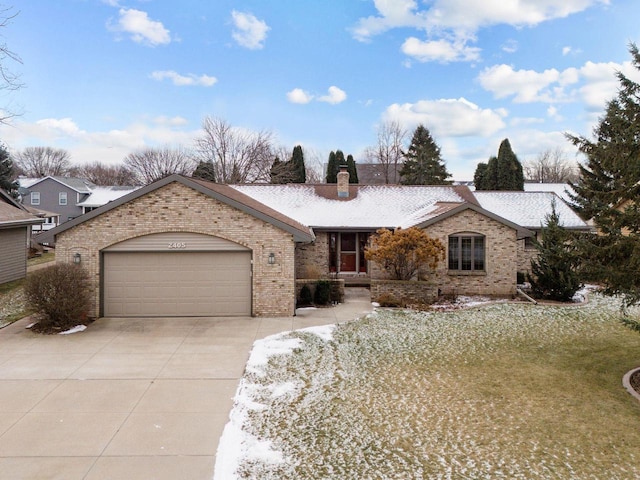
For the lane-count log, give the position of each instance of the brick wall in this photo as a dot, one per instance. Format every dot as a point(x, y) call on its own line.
point(177, 208)
point(312, 259)
point(501, 259)
point(404, 292)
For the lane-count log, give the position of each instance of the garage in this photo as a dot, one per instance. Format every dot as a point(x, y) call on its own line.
point(176, 275)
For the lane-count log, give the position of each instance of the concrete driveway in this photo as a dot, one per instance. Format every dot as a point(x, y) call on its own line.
point(130, 398)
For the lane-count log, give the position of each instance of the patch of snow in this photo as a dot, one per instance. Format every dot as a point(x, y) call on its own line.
point(267, 348)
point(325, 332)
point(76, 329)
point(31, 325)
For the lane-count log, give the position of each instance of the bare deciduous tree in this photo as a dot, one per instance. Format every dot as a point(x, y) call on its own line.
point(387, 153)
point(238, 156)
point(43, 161)
point(103, 174)
point(550, 166)
point(8, 79)
point(151, 164)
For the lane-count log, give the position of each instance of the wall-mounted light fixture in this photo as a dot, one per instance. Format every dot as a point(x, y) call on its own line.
point(272, 258)
point(77, 258)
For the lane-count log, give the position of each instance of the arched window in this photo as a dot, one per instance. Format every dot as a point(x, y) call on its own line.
point(467, 252)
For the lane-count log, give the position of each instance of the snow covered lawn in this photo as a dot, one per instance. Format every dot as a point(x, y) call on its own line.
point(502, 391)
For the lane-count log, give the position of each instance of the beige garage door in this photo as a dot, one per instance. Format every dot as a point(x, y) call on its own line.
point(177, 284)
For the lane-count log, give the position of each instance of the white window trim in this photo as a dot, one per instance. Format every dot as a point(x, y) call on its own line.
point(35, 198)
point(62, 198)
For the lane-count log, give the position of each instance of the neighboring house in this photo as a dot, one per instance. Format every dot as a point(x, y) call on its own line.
point(379, 173)
point(15, 235)
point(187, 247)
point(65, 198)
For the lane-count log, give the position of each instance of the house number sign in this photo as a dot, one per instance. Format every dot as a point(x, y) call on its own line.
point(177, 245)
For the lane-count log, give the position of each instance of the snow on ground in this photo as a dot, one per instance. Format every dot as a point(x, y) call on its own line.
point(333, 402)
point(76, 329)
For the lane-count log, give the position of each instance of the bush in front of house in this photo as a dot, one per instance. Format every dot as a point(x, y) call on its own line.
point(60, 294)
point(323, 292)
point(306, 297)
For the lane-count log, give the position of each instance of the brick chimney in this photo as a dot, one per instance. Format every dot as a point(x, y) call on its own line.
point(343, 182)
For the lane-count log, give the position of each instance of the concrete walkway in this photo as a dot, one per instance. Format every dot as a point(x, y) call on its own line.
point(130, 398)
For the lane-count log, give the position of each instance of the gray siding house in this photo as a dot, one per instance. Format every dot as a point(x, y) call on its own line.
point(60, 195)
point(15, 234)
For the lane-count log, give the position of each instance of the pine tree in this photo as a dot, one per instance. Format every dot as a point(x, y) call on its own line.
point(8, 183)
point(554, 271)
point(332, 168)
point(608, 190)
point(297, 167)
point(503, 172)
point(276, 172)
point(352, 169)
point(510, 174)
point(205, 170)
point(423, 164)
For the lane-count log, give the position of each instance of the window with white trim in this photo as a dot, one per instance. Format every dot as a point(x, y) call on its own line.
point(62, 198)
point(467, 252)
point(35, 198)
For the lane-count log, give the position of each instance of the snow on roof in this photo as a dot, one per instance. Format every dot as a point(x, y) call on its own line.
point(369, 206)
point(560, 189)
point(529, 209)
point(102, 195)
point(26, 182)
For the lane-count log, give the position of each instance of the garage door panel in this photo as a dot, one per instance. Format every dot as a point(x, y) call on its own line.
point(140, 284)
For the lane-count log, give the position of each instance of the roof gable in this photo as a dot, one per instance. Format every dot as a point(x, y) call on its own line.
point(220, 192)
point(13, 214)
point(80, 185)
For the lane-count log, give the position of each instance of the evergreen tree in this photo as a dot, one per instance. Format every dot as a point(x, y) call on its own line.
point(276, 172)
point(205, 170)
point(332, 168)
point(554, 271)
point(423, 164)
point(510, 174)
point(608, 190)
point(297, 167)
point(503, 172)
point(8, 183)
point(351, 168)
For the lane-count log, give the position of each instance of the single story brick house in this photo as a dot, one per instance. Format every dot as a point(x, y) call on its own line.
point(186, 247)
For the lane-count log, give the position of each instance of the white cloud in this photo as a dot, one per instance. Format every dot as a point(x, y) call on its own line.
point(110, 146)
point(141, 28)
point(510, 46)
point(335, 95)
point(553, 113)
point(439, 50)
point(528, 85)
point(248, 31)
point(297, 95)
point(460, 20)
point(184, 80)
point(448, 117)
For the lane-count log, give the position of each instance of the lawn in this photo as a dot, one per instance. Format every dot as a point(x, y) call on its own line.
point(13, 304)
point(503, 391)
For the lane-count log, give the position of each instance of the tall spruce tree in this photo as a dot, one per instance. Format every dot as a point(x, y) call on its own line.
point(554, 270)
point(298, 171)
point(352, 169)
point(8, 180)
point(608, 192)
point(503, 172)
point(332, 168)
point(423, 164)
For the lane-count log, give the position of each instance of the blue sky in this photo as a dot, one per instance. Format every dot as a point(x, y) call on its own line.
point(103, 78)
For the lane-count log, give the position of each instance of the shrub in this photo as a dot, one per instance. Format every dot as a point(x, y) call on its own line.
point(60, 294)
point(388, 300)
point(305, 298)
point(323, 292)
point(404, 253)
